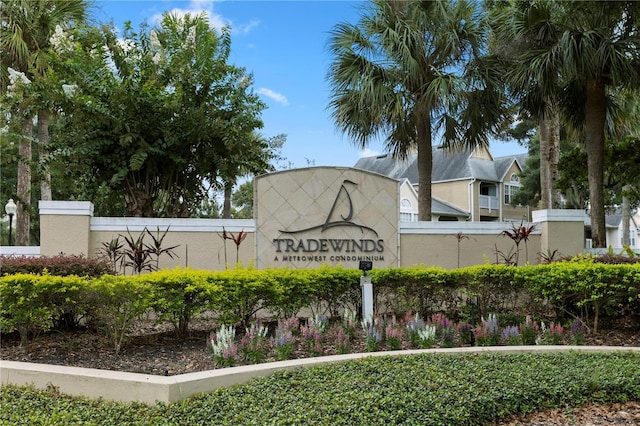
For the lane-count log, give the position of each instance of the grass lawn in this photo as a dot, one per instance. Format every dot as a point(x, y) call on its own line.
point(428, 389)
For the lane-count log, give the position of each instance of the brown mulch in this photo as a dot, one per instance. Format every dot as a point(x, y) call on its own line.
point(156, 350)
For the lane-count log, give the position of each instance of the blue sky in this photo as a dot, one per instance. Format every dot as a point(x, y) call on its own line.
point(284, 45)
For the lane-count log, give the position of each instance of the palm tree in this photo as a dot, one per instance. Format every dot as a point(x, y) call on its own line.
point(596, 51)
point(600, 50)
point(519, 29)
point(25, 33)
point(399, 74)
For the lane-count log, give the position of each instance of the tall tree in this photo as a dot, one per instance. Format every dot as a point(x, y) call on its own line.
point(399, 73)
point(153, 112)
point(26, 28)
point(596, 52)
point(247, 156)
point(520, 28)
point(601, 53)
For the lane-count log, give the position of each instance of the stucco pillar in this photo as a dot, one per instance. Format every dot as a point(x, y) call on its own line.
point(562, 230)
point(65, 227)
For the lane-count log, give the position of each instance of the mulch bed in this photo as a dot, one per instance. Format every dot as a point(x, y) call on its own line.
point(155, 349)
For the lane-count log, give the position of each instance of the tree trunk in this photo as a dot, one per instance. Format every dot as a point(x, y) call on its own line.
point(425, 166)
point(43, 144)
point(595, 116)
point(226, 207)
point(545, 176)
point(554, 159)
point(626, 217)
point(23, 190)
point(549, 157)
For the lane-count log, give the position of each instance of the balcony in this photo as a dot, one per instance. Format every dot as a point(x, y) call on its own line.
point(488, 202)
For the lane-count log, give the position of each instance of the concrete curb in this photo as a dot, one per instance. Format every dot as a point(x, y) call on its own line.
point(151, 389)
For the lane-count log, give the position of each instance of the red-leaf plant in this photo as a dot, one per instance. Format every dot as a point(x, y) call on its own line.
point(519, 233)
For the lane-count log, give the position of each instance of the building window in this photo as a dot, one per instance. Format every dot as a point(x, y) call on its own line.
point(406, 217)
point(406, 213)
point(509, 193)
point(511, 188)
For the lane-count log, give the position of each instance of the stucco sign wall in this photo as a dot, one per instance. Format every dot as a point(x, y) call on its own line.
point(326, 215)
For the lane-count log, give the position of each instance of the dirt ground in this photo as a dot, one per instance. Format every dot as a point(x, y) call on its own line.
point(156, 350)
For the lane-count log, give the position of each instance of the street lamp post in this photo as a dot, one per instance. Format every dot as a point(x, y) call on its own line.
point(11, 209)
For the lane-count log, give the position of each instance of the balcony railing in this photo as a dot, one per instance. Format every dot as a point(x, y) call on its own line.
point(488, 202)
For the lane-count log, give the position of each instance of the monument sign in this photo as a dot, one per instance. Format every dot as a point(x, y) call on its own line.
point(326, 215)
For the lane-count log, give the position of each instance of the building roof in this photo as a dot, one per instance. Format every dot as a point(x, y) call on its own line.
point(448, 165)
point(443, 208)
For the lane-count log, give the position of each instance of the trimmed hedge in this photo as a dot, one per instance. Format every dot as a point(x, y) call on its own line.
point(55, 265)
point(33, 303)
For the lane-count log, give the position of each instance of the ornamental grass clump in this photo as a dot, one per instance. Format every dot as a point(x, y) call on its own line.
point(529, 331)
point(223, 346)
point(254, 343)
point(393, 334)
point(414, 325)
point(578, 330)
point(350, 323)
point(343, 340)
point(312, 338)
point(373, 336)
point(511, 335)
point(282, 341)
point(552, 335)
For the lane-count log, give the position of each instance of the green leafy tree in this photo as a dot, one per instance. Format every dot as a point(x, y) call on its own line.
point(256, 156)
point(26, 30)
point(404, 71)
point(243, 200)
point(154, 113)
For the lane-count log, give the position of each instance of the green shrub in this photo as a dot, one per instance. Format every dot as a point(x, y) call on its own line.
point(178, 295)
point(294, 290)
point(582, 288)
point(25, 304)
point(118, 302)
point(419, 289)
point(334, 288)
point(582, 284)
point(55, 265)
point(244, 291)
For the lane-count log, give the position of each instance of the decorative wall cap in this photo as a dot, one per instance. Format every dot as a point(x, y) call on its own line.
point(22, 251)
point(559, 215)
point(69, 208)
point(138, 224)
point(466, 228)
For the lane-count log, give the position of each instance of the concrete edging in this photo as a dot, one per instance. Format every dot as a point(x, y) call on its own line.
point(151, 389)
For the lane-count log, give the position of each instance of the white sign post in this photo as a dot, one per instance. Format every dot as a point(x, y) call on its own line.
point(367, 296)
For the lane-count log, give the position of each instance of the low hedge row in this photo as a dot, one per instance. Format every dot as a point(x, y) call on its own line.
point(55, 265)
point(32, 303)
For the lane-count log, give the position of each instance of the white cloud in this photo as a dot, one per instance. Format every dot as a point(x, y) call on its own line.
point(246, 28)
point(280, 98)
point(216, 20)
point(368, 152)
